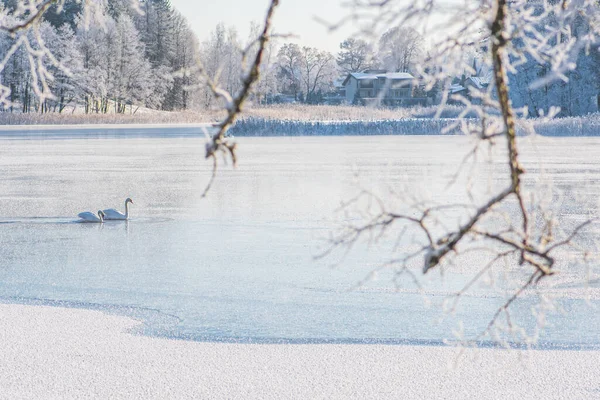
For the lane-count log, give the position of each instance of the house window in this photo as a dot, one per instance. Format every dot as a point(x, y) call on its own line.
point(366, 83)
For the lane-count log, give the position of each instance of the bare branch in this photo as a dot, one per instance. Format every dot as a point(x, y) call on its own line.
point(234, 105)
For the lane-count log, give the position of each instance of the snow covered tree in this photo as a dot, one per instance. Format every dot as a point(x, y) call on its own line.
point(266, 85)
point(289, 61)
point(164, 39)
point(65, 86)
point(575, 94)
point(222, 59)
point(178, 94)
point(318, 72)
point(399, 48)
point(59, 15)
point(158, 18)
point(355, 55)
point(116, 73)
point(133, 83)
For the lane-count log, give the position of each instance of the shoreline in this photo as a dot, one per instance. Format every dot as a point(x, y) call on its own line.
point(145, 318)
point(252, 126)
point(60, 352)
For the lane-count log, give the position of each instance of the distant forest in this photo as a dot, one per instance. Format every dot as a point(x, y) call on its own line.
point(131, 60)
point(150, 59)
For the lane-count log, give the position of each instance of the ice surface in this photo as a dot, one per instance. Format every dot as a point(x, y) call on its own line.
point(239, 265)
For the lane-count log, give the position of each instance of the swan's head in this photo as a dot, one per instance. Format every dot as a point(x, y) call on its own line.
point(128, 200)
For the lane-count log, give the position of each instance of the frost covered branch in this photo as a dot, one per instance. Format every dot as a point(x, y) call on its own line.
point(500, 39)
point(31, 14)
point(218, 142)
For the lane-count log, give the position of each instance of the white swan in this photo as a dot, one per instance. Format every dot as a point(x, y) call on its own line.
point(91, 217)
point(111, 213)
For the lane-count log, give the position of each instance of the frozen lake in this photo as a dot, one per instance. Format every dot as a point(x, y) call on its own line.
point(238, 265)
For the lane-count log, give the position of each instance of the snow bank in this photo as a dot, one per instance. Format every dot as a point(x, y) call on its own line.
point(49, 352)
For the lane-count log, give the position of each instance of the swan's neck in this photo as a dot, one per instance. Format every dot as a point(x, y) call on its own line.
point(100, 216)
point(126, 209)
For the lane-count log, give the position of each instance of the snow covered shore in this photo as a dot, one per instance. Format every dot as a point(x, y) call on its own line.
point(257, 126)
point(49, 352)
point(273, 125)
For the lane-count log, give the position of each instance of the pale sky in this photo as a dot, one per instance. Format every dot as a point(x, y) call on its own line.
point(292, 16)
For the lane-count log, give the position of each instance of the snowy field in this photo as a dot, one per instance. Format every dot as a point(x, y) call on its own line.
point(238, 267)
point(56, 353)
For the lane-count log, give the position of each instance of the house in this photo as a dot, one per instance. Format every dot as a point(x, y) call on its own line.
point(469, 88)
point(379, 87)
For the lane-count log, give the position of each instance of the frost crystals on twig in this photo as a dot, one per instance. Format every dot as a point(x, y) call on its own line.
point(219, 142)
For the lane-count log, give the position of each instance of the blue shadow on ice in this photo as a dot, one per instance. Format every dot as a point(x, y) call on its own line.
point(158, 324)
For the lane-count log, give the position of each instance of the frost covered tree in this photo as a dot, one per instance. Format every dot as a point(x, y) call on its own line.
point(267, 82)
point(355, 55)
point(167, 45)
point(116, 74)
point(577, 92)
point(399, 48)
point(289, 61)
point(65, 86)
point(179, 94)
point(222, 59)
point(14, 76)
point(134, 81)
point(158, 19)
point(317, 72)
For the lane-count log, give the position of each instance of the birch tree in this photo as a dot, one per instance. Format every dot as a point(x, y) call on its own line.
point(289, 58)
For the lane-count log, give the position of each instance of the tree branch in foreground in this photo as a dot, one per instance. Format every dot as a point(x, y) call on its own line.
point(524, 243)
point(32, 18)
point(218, 142)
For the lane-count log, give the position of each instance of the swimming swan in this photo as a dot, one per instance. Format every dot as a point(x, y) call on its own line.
point(91, 217)
point(111, 213)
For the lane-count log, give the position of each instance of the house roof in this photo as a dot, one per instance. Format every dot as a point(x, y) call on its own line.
point(387, 75)
point(479, 82)
point(455, 88)
point(396, 75)
point(362, 75)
